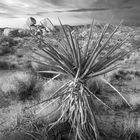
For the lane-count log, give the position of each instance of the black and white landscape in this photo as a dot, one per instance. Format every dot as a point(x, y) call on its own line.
point(69, 70)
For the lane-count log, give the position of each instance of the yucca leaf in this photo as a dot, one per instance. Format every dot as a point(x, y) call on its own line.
point(107, 57)
point(117, 92)
point(78, 133)
point(93, 54)
point(66, 37)
point(54, 111)
point(104, 71)
point(100, 38)
point(66, 61)
point(60, 56)
point(104, 45)
point(39, 54)
point(65, 46)
point(73, 49)
point(64, 66)
point(100, 65)
point(121, 55)
point(79, 55)
point(55, 95)
point(100, 49)
point(89, 38)
point(50, 66)
point(51, 72)
point(55, 52)
point(58, 120)
point(115, 47)
point(75, 116)
point(92, 94)
point(47, 105)
point(98, 42)
point(53, 78)
point(88, 134)
point(106, 62)
point(92, 117)
point(65, 51)
point(81, 113)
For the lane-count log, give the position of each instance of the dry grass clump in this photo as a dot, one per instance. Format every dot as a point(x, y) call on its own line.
point(121, 75)
point(29, 90)
point(21, 86)
point(9, 80)
point(4, 65)
point(15, 121)
point(120, 126)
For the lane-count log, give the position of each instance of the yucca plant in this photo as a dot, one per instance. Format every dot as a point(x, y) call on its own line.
point(80, 65)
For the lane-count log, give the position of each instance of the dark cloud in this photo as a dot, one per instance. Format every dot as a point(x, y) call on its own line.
point(130, 16)
point(85, 10)
point(2, 5)
point(111, 3)
point(58, 2)
point(92, 3)
point(90, 9)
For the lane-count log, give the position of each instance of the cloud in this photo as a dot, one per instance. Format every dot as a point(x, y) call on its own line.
point(72, 10)
point(84, 10)
point(91, 3)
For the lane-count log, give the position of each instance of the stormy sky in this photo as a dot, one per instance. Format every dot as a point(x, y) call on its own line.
point(14, 13)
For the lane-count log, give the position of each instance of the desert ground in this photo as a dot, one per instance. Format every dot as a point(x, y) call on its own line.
point(22, 87)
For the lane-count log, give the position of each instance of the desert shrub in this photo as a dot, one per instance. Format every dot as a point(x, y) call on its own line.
point(78, 102)
point(20, 87)
point(60, 131)
point(14, 33)
point(137, 73)
point(24, 33)
point(7, 45)
point(28, 128)
point(120, 75)
point(4, 49)
point(10, 41)
point(29, 90)
point(9, 32)
point(4, 65)
point(95, 85)
point(4, 100)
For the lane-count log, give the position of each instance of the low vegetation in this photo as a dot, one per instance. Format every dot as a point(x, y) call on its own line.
point(29, 90)
point(7, 45)
point(71, 83)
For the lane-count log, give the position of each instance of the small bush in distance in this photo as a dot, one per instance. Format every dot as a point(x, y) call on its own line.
point(7, 45)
